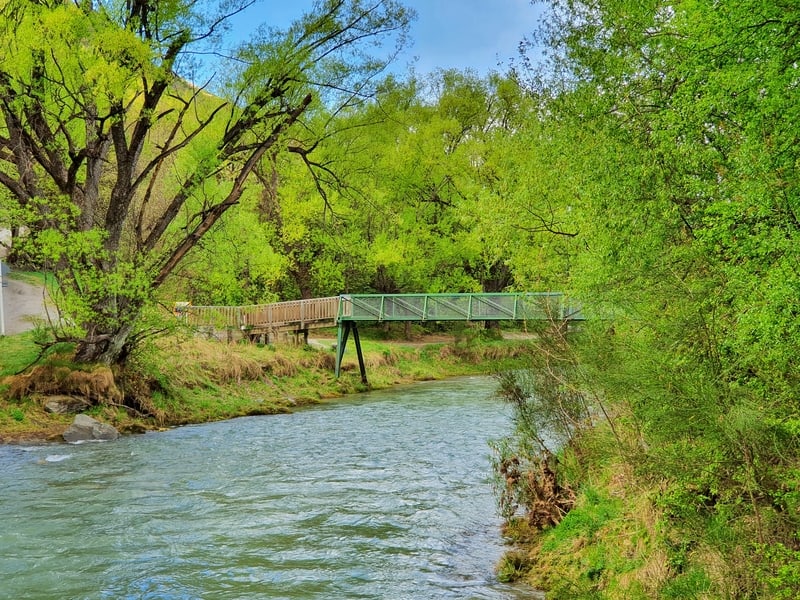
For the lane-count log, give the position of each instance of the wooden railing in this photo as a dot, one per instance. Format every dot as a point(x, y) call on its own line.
point(297, 314)
point(314, 311)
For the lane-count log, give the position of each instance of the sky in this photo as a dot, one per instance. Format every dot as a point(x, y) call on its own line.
point(474, 34)
point(459, 34)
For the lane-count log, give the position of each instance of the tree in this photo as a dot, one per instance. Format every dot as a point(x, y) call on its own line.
point(687, 213)
point(119, 163)
point(420, 189)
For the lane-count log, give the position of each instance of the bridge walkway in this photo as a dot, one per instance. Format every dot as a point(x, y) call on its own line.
point(347, 310)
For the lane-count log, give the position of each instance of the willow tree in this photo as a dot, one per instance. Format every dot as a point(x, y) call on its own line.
point(128, 131)
point(684, 163)
point(424, 181)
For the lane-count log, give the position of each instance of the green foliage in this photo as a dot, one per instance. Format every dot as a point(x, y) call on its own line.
point(670, 130)
point(114, 167)
point(237, 267)
point(410, 212)
point(692, 584)
point(782, 572)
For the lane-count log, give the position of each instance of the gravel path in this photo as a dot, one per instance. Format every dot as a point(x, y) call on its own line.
point(23, 304)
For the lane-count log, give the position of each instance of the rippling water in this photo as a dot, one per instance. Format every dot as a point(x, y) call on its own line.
point(384, 496)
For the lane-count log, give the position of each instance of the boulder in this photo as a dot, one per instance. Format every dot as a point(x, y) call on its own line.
point(86, 429)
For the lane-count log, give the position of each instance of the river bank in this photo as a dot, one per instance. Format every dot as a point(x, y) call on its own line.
point(180, 380)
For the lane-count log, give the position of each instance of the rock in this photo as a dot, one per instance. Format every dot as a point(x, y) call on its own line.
point(85, 429)
point(62, 405)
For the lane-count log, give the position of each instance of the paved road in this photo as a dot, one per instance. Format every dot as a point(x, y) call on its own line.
point(23, 304)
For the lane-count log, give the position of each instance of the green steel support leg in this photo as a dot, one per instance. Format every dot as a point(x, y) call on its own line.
point(341, 342)
point(361, 365)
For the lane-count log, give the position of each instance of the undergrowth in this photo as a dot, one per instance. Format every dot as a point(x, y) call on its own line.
point(177, 380)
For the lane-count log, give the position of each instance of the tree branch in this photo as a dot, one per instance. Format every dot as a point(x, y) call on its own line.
point(191, 239)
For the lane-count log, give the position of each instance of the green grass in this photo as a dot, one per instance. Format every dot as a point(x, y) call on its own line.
point(593, 511)
point(692, 584)
point(16, 353)
point(33, 277)
point(608, 546)
point(181, 380)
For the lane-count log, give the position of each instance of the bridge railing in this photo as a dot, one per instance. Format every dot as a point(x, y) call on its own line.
point(278, 314)
point(295, 312)
point(218, 317)
point(383, 307)
point(456, 307)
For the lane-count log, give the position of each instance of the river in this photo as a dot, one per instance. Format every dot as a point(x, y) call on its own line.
point(386, 495)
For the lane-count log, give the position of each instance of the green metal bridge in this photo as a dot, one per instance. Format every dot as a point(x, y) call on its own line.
point(347, 310)
point(529, 306)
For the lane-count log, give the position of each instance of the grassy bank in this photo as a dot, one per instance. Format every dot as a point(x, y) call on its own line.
point(614, 543)
point(180, 380)
point(623, 541)
point(633, 532)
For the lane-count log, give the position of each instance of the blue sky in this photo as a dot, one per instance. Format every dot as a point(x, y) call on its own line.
point(474, 34)
point(460, 34)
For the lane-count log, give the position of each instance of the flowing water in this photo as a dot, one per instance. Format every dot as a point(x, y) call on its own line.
point(384, 496)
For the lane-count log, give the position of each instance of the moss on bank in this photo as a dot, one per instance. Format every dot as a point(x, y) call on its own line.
point(181, 380)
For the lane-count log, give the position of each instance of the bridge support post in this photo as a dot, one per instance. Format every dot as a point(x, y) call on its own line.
point(297, 334)
point(341, 341)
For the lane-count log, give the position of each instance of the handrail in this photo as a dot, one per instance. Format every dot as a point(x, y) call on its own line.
point(456, 307)
point(276, 314)
point(383, 307)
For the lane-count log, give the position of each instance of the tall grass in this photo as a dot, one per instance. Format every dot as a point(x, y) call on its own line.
point(182, 379)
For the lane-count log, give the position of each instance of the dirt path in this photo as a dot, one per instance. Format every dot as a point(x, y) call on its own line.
point(23, 304)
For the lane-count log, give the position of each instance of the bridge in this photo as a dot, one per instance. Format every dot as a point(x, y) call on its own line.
point(347, 310)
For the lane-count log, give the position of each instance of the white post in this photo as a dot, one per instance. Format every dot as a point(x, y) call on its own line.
point(2, 315)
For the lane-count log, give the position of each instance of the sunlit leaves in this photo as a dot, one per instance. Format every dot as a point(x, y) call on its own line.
point(95, 113)
point(237, 265)
point(687, 211)
point(82, 51)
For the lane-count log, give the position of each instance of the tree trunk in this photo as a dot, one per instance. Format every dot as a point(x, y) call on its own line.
point(105, 345)
point(498, 278)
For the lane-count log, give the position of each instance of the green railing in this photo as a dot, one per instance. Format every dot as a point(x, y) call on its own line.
point(529, 306)
point(349, 309)
point(456, 307)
